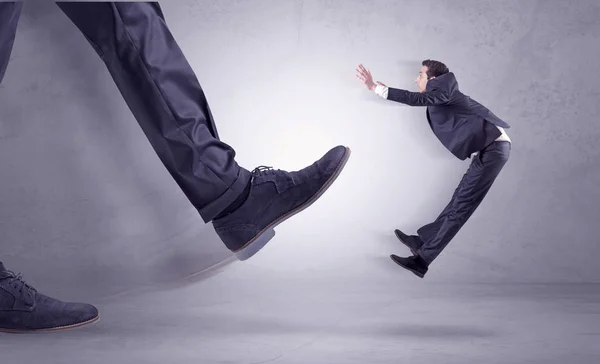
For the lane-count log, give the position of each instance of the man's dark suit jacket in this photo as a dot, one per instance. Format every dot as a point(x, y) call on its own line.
point(463, 125)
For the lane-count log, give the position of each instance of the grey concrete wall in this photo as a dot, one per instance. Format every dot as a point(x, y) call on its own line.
point(86, 208)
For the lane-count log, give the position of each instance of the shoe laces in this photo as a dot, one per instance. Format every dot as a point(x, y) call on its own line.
point(262, 169)
point(17, 282)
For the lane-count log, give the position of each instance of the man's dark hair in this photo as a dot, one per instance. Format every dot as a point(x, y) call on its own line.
point(435, 68)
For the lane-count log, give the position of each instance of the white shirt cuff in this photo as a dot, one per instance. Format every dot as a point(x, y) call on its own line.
point(381, 91)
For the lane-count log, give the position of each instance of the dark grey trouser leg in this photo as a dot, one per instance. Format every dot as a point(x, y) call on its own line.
point(10, 12)
point(469, 194)
point(162, 91)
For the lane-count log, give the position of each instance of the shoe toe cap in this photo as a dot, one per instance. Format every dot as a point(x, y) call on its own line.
point(55, 313)
point(331, 160)
point(84, 311)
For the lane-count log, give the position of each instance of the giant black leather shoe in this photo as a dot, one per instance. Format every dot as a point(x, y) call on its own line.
point(23, 309)
point(274, 197)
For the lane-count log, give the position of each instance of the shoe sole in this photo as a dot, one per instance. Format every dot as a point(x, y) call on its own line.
point(265, 235)
point(418, 274)
point(403, 242)
point(59, 328)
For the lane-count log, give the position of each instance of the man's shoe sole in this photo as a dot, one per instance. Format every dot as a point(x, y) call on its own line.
point(397, 232)
point(265, 235)
point(59, 328)
point(417, 273)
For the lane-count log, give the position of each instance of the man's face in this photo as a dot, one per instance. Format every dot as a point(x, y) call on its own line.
point(421, 80)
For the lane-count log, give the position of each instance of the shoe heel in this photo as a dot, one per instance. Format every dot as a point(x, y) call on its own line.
point(259, 242)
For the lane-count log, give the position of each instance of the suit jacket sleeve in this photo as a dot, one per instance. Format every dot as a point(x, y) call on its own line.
point(428, 98)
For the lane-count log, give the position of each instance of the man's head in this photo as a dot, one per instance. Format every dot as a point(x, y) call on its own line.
point(430, 69)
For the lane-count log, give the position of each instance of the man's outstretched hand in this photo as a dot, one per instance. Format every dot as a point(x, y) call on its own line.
point(364, 75)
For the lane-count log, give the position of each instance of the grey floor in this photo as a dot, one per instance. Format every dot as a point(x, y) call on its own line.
point(244, 316)
point(88, 212)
